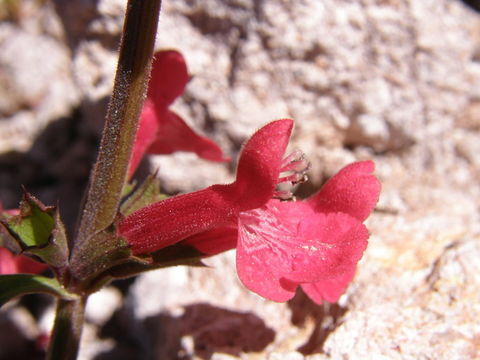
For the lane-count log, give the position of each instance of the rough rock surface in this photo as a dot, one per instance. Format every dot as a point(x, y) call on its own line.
point(397, 81)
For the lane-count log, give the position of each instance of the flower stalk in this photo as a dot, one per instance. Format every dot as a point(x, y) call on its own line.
point(110, 172)
point(67, 329)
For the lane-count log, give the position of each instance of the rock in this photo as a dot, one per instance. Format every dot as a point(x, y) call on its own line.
point(32, 95)
point(102, 304)
point(430, 315)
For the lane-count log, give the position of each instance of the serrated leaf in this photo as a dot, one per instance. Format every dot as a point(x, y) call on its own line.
point(146, 194)
point(38, 230)
point(34, 225)
point(56, 252)
point(22, 284)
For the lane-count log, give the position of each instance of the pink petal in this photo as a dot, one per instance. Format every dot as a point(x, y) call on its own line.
point(27, 265)
point(21, 264)
point(161, 131)
point(259, 276)
point(7, 262)
point(9, 211)
point(331, 289)
point(329, 245)
point(214, 241)
point(354, 190)
point(146, 135)
point(168, 79)
point(285, 243)
point(260, 162)
point(175, 135)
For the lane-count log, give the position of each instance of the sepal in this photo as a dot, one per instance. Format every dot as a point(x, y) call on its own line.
point(100, 253)
point(145, 194)
point(175, 255)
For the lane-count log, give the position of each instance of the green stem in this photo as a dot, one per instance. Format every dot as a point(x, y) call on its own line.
point(67, 329)
point(110, 172)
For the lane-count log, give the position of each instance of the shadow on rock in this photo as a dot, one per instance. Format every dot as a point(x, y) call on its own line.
point(55, 169)
point(326, 317)
point(201, 331)
point(474, 4)
point(77, 17)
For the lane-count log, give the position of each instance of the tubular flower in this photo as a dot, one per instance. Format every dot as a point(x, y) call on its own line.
point(175, 219)
point(161, 131)
point(21, 264)
point(315, 243)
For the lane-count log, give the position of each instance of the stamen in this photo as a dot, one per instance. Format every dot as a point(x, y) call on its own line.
point(284, 195)
point(293, 172)
point(296, 162)
point(294, 179)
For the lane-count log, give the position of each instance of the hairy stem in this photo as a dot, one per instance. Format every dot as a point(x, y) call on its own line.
point(67, 329)
point(110, 172)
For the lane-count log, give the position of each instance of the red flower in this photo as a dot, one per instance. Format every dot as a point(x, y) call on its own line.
point(161, 131)
point(315, 243)
point(175, 219)
point(21, 264)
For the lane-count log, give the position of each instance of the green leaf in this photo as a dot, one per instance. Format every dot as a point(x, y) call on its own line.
point(55, 253)
point(34, 225)
point(22, 284)
point(38, 230)
point(128, 188)
point(146, 194)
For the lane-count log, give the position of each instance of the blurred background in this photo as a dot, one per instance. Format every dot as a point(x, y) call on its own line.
point(396, 81)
